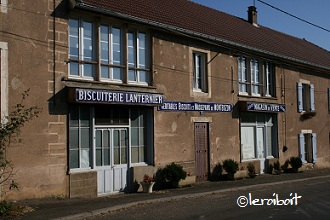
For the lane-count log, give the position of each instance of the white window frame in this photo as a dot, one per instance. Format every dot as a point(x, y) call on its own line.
point(110, 64)
point(302, 146)
point(82, 62)
point(256, 88)
point(269, 79)
point(256, 77)
point(302, 98)
point(243, 76)
point(137, 66)
point(199, 72)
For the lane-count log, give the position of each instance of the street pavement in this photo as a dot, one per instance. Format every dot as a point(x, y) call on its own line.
point(80, 208)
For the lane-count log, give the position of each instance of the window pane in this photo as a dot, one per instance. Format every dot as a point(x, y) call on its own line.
point(74, 69)
point(134, 136)
point(85, 156)
point(88, 41)
point(84, 115)
point(117, 74)
point(131, 50)
point(106, 136)
point(88, 70)
point(131, 75)
point(142, 50)
point(144, 76)
point(105, 72)
point(135, 154)
point(73, 38)
point(98, 157)
point(142, 154)
point(116, 155)
point(74, 159)
point(116, 46)
point(73, 48)
point(74, 138)
point(106, 157)
point(123, 155)
point(104, 44)
point(123, 146)
point(85, 141)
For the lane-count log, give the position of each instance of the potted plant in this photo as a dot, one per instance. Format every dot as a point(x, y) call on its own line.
point(252, 170)
point(295, 163)
point(147, 183)
point(230, 167)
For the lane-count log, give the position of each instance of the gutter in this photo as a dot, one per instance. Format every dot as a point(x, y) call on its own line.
point(80, 4)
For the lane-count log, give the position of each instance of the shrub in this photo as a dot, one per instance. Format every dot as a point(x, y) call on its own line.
point(170, 175)
point(295, 163)
point(230, 166)
point(251, 168)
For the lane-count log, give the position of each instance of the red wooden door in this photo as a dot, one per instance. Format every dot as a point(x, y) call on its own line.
point(202, 152)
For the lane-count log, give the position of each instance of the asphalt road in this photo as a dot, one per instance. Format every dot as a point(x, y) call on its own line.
point(309, 199)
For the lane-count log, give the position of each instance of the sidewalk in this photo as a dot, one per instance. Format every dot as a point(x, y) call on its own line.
point(55, 208)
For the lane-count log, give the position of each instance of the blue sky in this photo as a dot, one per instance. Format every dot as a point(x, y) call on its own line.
point(314, 11)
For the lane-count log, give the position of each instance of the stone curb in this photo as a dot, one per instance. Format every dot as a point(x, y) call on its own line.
point(166, 199)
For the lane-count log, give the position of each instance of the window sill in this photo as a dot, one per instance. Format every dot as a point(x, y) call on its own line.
point(246, 95)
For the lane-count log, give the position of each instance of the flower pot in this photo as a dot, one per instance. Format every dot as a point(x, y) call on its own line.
point(147, 186)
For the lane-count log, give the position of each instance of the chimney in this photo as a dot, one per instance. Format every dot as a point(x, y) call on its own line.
point(252, 15)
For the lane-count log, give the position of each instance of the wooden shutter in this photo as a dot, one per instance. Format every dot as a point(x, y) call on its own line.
point(302, 147)
point(311, 87)
point(314, 147)
point(300, 97)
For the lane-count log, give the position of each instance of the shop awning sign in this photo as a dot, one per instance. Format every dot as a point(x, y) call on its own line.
point(195, 106)
point(265, 107)
point(114, 97)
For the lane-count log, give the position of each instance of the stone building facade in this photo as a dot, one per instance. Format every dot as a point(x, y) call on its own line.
point(128, 87)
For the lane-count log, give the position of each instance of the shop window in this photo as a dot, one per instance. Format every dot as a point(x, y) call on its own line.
point(111, 64)
point(200, 72)
point(80, 141)
point(305, 97)
point(258, 136)
point(256, 78)
point(139, 135)
point(307, 147)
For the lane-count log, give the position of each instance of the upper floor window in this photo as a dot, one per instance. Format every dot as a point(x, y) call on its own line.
point(256, 78)
point(200, 72)
point(305, 97)
point(107, 59)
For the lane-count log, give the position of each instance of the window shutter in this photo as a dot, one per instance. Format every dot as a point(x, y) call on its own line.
point(302, 147)
point(300, 98)
point(329, 99)
point(314, 147)
point(311, 87)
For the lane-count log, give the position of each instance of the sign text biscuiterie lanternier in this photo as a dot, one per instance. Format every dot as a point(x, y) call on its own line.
point(105, 96)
